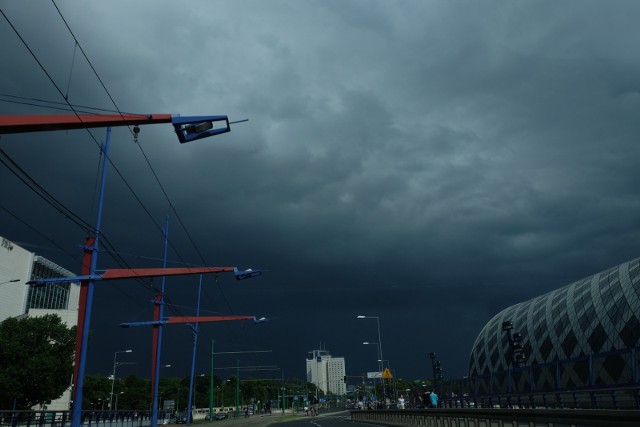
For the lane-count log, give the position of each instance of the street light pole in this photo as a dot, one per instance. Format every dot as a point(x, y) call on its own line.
point(118, 394)
point(379, 344)
point(113, 374)
point(211, 395)
point(379, 370)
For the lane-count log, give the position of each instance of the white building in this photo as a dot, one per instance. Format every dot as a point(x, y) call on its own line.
point(327, 372)
point(18, 266)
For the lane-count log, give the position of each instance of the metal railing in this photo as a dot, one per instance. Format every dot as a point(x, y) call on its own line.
point(500, 417)
point(89, 418)
point(624, 398)
point(579, 382)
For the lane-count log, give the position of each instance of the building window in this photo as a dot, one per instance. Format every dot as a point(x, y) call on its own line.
point(52, 297)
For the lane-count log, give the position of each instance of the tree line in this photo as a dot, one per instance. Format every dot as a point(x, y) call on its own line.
point(36, 367)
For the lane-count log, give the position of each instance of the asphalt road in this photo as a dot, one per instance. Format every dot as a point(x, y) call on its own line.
point(336, 419)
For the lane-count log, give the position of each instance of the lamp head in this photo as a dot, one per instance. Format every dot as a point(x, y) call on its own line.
point(192, 128)
point(246, 274)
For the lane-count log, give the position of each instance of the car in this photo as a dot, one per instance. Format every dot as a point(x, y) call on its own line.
point(181, 418)
point(221, 416)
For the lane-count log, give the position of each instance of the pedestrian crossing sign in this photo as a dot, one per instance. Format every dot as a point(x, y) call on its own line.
point(387, 374)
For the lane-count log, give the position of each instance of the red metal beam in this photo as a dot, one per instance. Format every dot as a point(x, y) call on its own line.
point(46, 122)
point(202, 319)
point(126, 273)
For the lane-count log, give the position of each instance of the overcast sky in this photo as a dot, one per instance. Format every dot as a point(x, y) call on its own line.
point(426, 162)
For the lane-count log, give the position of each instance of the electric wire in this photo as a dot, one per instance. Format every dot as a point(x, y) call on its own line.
point(31, 183)
point(202, 259)
point(63, 106)
point(86, 57)
point(23, 176)
point(75, 257)
point(104, 240)
point(75, 111)
point(44, 70)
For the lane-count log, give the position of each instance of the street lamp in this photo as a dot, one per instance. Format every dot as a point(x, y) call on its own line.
point(118, 394)
point(379, 344)
point(113, 375)
point(379, 361)
point(516, 349)
point(436, 366)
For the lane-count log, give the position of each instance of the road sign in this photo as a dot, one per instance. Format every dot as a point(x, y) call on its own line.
point(374, 374)
point(387, 374)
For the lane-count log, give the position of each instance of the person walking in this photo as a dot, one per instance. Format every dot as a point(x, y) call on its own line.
point(433, 397)
point(401, 402)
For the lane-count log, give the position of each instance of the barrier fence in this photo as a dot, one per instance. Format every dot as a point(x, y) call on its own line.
point(500, 417)
point(607, 380)
point(89, 418)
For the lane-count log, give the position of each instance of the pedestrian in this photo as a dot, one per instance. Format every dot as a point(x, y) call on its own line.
point(401, 402)
point(433, 397)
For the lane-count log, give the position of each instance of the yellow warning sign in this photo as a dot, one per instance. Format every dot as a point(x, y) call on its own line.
point(387, 374)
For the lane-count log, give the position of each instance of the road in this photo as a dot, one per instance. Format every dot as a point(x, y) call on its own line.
point(336, 419)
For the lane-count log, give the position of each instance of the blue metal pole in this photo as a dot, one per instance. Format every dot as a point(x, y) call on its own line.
point(77, 398)
point(194, 329)
point(154, 410)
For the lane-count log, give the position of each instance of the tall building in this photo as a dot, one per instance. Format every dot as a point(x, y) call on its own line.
point(18, 266)
point(327, 372)
point(582, 335)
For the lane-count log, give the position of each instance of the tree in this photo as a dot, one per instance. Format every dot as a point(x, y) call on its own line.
point(36, 360)
point(96, 392)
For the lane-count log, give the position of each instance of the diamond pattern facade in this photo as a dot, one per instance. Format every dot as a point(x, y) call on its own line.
point(584, 334)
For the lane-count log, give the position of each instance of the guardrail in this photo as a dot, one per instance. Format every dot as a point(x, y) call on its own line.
point(609, 379)
point(89, 418)
point(601, 398)
point(500, 417)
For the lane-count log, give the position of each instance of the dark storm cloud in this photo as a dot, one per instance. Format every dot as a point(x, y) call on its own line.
point(427, 163)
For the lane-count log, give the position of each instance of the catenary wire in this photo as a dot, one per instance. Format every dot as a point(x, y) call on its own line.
point(202, 259)
point(92, 136)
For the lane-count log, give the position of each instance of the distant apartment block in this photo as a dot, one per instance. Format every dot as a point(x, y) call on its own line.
point(327, 372)
point(18, 266)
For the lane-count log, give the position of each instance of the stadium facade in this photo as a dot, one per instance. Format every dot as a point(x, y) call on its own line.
point(583, 335)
